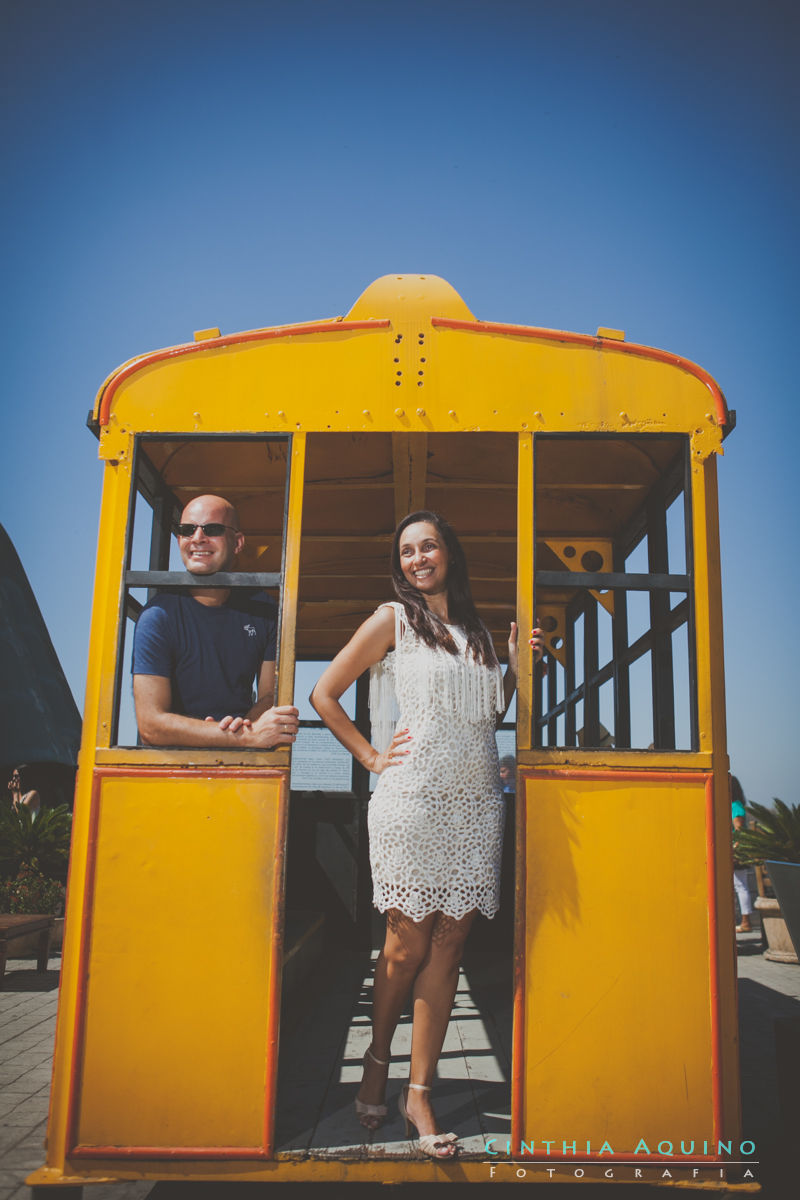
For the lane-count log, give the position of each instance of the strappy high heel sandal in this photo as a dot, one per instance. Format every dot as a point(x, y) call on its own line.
point(429, 1143)
point(371, 1116)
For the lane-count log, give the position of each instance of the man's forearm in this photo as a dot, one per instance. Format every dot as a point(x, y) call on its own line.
point(173, 729)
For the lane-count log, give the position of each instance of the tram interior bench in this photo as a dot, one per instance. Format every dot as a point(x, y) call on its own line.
point(17, 926)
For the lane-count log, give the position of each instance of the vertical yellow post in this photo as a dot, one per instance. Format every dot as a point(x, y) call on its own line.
point(525, 598)
point(713, 735)
point(291, 570)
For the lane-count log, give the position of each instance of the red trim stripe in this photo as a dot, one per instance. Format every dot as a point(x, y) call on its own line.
point(276, 965)
point(235, 339)
point(78, 1035)
point(599, 343)
point(170, 1153)
point(520, 974)
point(610, 774)
point(713, 938)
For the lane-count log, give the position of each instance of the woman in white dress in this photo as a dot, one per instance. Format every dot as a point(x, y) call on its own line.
point(436, 816)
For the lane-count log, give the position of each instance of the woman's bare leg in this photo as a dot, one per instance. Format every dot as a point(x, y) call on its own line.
point(434, 992)
point(404, 950)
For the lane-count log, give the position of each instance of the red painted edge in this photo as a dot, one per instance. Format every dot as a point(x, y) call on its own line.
point(56, 1041)
point(713, 937)
point(274, 992)
point(170, 1153)
point(600, 343)
point(235, 339)
point(520, 963)
point(83, 958)
point(647, 776)
point(610, 774)
point(75, 1150)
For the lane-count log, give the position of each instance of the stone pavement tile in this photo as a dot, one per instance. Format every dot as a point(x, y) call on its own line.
point(9, 1138)
point(23, 1116)
point(11, 1186)
point(9, 1101)
point(28, 1057)
point(23, 1085)
point(136, 1189)
point(29, 1039)
point(22, 1022)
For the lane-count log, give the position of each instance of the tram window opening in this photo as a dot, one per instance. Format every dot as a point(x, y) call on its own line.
point(605, 646)
point(141, 533)
point(680, 659)
point(319, 761)
point(506, 743)
point(636, 561)
point(640, 673)
point(610, 517)
point(169, 472)
point(606, 710)
point(676, 535)
point(638, 605)
point(560, 678)
point(577, 649)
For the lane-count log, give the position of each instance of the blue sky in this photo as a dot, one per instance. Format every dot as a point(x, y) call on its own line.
point(177, 165)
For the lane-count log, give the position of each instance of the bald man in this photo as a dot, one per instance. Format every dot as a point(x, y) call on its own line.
point(198, 653)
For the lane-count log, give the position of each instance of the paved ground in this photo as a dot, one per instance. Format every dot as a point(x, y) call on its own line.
point(768, 993)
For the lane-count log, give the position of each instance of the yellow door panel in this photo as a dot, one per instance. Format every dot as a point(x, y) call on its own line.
point(617, 1035)
point(178, 1015)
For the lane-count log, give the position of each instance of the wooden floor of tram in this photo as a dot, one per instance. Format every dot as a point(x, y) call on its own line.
point(325, 1031)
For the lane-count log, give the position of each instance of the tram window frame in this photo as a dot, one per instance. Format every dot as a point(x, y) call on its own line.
point(648, 530)
point(157, 578)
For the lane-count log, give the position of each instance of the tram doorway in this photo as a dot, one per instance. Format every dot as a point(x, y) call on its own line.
point(357, 488)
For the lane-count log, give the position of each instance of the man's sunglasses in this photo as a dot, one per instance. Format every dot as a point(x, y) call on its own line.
point(211, 529)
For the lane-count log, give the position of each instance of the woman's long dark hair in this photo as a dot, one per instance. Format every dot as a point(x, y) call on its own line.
point(460, 605)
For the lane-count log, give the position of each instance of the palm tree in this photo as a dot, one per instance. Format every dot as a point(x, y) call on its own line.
point(775, 836)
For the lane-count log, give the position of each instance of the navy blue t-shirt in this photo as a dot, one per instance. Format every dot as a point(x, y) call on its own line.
point(210, 654)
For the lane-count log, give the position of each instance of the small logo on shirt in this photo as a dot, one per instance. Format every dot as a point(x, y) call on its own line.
point(250, 630)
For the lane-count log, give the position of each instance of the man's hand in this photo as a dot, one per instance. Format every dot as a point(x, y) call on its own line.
point(276, 727)
point(231, 724)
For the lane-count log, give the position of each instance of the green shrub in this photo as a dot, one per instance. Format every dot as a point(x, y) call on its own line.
point(40, 842)
point(30, 892)
point(775, 836)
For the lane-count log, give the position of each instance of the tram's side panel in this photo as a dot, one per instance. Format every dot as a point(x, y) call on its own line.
point(619, 1042)
point(176, 1021)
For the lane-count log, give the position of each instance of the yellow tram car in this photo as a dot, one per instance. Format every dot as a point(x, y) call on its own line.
point(580, 474)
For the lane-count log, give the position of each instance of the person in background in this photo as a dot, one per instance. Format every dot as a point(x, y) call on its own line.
point(508, 771)
point(739, 818)
point(21, 795)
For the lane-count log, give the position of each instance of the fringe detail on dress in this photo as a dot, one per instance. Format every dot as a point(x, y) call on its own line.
point(383, 708)
point(473, 690)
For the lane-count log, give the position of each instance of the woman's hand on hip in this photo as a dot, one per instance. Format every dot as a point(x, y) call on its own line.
point(393, 757)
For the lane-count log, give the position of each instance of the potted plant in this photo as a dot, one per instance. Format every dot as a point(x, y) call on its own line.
point(34, 856)
point(775, 837)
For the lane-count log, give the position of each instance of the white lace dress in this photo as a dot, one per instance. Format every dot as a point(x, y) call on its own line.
point(436, 821)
